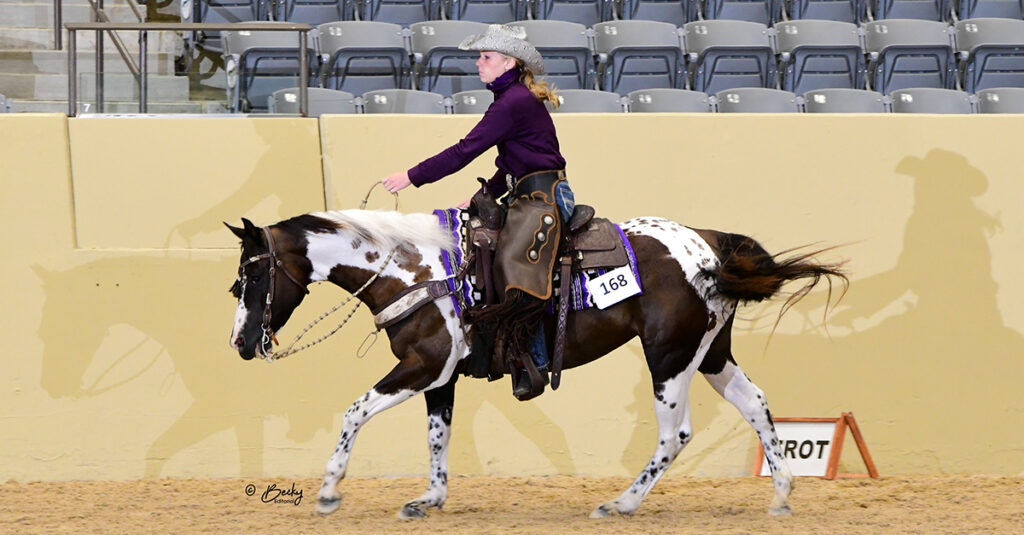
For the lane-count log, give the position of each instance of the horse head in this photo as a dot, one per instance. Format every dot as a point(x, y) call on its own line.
point(273, 273)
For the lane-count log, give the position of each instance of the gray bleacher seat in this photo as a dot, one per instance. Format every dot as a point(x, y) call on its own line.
point(259, 63)
point(585, 12)
point(675, 12)
point(842, 100)
point(815, 54)
point(321, 101)
point(638, 54)
point(588, 101)
point(852, 11)
point(668, 100)
point(403, 101)
point(937, 10)
point(213, 11)
point(930, 100)
point(361, 56)
point(474, 101)
point(724, 54)
point(5, 104)
point(972, 9)
point(568, 58)
point(761, 11)
point(991, 52)
point(314, 12)
point(404, 12)
point(909, 53)
point(440, 66)
point(1001, 100)
point(489, 11)
point(757, 100)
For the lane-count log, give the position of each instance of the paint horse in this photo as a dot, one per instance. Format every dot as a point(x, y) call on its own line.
point(684, 325)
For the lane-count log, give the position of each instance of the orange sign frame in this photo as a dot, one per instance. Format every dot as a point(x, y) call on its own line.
point(843, 422)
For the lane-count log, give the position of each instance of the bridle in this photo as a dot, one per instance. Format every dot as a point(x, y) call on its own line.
point(275, 263)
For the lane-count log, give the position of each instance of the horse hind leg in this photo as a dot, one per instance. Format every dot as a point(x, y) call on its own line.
point(674, 432)
point(721, 371)
point(439, 421)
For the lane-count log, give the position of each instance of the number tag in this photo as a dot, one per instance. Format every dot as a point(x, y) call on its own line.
point(612, 287)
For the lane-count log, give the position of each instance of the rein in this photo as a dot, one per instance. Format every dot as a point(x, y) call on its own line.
point(268, 333)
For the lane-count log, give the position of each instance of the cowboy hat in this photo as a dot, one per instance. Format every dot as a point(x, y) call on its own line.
point(509, 40)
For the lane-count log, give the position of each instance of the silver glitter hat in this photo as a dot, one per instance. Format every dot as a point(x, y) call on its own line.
point(509, 40)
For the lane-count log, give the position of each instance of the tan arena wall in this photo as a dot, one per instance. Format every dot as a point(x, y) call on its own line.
point(116, 268)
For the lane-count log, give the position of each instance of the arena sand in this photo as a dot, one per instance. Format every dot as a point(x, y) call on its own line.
point(541, 505)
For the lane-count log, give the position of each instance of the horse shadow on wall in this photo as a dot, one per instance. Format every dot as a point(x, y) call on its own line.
point(937, 308)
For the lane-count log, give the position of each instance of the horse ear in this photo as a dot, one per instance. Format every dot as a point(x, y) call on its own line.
point(236, 231)
point(251, 230)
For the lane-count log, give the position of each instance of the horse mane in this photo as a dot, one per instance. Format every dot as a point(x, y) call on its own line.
point(386, 229)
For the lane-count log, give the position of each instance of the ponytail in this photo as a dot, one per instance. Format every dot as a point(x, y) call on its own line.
point(540, 89)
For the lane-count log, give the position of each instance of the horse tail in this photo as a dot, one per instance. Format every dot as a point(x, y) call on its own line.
point(749, 273)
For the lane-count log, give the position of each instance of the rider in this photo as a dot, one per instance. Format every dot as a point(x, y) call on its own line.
point(530, 170)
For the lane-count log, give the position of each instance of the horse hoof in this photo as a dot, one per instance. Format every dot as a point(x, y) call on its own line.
point(603, 511)
point(783, 510)
point(410, 512)
point(326, 506)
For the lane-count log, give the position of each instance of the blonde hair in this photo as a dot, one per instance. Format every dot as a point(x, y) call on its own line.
point(540, 89)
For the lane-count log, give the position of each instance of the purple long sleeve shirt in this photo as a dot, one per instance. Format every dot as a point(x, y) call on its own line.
point(517, 123)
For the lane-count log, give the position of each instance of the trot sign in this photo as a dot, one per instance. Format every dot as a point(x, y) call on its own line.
point(811, 446)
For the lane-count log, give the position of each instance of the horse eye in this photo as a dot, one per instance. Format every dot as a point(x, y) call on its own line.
point(257, 277)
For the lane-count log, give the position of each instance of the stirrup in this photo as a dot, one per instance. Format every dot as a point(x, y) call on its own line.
point(525, 388)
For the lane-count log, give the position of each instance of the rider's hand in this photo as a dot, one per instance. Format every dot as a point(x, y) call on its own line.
point(397, 181)
point(464, 204)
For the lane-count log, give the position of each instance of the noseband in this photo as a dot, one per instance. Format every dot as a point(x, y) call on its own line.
point(275, 263)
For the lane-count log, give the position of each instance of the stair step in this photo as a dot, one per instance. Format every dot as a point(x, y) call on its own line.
point(56, 62)
point(24, 15)
point(61, 106)
point(117, 87)
point(42, 39)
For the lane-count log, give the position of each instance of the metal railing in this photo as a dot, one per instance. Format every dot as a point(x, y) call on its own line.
point(97, 7)
point(145, 27)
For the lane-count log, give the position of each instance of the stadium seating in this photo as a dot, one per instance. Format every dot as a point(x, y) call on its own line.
point(212, 11)
point(321, 101)
point(585, 12)
point(314, 12)
point(852, 11)
point(972, 9)
point(930, 100)
point(489, 11)
point(668, 100)
point(757, 100)
point(361, 56)
point(402, 101)
point(440, 66)
point(937, 10)
point(991, 52)
point(761, 11)
point(815, 54)
point(909, 53)
point(840, 100)
point(675, 12)
point(568, 58)
point(638, 54)
point(259, 63)
point(403, 12)
point(1001, 100)
point(724, 54)
point(587, 101)
point(474, 101)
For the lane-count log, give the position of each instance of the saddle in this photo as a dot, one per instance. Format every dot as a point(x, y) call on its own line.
point(588, 242)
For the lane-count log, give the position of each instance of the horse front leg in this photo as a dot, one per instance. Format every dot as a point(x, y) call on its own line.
point(439, 422)
point(738, 389)
point(408, 378)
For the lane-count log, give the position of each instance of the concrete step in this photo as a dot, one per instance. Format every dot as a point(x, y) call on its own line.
point(41, 15)
point(61, 106)
point(42, 39)
point(117, 87)
point(55, 62)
